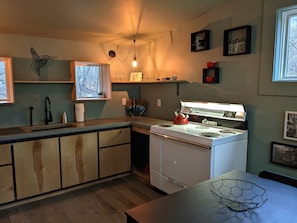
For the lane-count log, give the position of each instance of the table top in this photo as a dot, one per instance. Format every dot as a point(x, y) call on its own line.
point(197, 204)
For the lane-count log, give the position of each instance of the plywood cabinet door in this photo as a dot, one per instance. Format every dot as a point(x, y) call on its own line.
point(6, 184)
point(5, 154)
point(115, 160)
point(6, 176)
point(37, 167)
point(79, 158)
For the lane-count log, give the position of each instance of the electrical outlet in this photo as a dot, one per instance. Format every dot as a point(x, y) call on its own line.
point(124, 101)
point(159, 102)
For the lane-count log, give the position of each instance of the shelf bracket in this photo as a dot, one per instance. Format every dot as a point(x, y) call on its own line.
point(177, 89)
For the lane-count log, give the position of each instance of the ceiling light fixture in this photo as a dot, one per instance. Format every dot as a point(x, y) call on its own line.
point(134, 62)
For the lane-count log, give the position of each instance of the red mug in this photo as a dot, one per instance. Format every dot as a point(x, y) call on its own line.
point(211, 64)
point(209, 79)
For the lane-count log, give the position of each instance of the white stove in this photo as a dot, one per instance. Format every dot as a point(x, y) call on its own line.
point(212, 143)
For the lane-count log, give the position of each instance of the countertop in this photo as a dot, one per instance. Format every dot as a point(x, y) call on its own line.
point(16, 134)
point(196, 204)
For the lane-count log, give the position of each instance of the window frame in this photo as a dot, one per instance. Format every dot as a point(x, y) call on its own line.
point(104, 79)
point(8, 81)
point(280, 45)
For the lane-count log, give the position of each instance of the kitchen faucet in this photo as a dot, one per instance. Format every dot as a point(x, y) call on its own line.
point(48, 112)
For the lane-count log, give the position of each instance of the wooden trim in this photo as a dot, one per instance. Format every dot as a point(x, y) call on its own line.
point(141, 130)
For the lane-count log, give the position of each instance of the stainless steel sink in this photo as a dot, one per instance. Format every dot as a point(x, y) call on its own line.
point(48, 127)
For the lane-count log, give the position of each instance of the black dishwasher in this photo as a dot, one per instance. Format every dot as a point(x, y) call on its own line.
point(140, 153)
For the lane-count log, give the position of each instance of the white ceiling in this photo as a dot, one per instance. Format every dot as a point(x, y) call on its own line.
point(98, 20)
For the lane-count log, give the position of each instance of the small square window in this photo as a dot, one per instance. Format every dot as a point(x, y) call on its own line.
point(92, 81)
point(6, 81)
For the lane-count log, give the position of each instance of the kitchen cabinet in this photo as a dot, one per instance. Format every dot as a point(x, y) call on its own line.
point(114, 151)
point(79, 158)
point(140, 153)
point(6, 175)
point(37, 167)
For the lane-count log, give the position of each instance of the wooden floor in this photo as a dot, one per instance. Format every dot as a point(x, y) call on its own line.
point(102, 203)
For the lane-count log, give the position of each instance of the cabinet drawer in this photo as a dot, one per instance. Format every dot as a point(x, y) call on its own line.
point(170, 185)
point(114, 137)
point(115, 160)
point(5, 154)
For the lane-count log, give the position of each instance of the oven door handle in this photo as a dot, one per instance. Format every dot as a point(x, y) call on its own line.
point(180, 140)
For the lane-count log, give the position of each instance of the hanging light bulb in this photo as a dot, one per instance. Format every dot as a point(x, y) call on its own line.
point(134, 62)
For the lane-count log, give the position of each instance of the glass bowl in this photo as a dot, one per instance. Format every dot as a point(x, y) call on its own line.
point(238, 195)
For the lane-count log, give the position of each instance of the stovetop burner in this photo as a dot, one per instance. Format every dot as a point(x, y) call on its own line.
point(210, 134)
point(201, 127)
point(227, 131)
point(165, 125)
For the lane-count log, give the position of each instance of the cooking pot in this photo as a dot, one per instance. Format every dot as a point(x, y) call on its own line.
point(180, 118)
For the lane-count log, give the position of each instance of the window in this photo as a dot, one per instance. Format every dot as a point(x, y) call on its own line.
point(285, 48)
point(92, 81)
point(6, 82)
point(88, 81)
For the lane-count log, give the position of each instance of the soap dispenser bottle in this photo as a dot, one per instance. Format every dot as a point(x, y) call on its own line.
point(64, 117)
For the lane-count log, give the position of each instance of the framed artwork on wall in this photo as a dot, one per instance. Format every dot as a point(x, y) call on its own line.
point(284, 154)
point(135, 76)
point(290, 125)
point(237, 41)
point(200, 41)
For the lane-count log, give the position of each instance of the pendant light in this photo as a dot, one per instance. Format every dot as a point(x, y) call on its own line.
point(134, 62)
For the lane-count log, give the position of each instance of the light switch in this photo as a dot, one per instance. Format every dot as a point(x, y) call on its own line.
point(159, 102)
point(124, 101)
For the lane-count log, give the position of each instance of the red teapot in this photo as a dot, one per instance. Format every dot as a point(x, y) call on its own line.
point(180, 118)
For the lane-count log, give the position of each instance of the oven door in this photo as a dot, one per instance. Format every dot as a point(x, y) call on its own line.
point(184, 164)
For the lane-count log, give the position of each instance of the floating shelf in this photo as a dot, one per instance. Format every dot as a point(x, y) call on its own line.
point(148, 82)
point(154, 82)
point(42, 82)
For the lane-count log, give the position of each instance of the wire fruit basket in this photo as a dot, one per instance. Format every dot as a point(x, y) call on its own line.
point(238, 195)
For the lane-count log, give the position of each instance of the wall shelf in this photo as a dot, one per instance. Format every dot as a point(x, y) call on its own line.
point(42, 82)
point(177, 82)
point(211, 75)
point(148, 82)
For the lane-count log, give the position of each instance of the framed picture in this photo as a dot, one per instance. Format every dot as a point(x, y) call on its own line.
point(290, 125)
point(136, 76)
point(200, 41)
point(284, 154)
point(237, 41)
